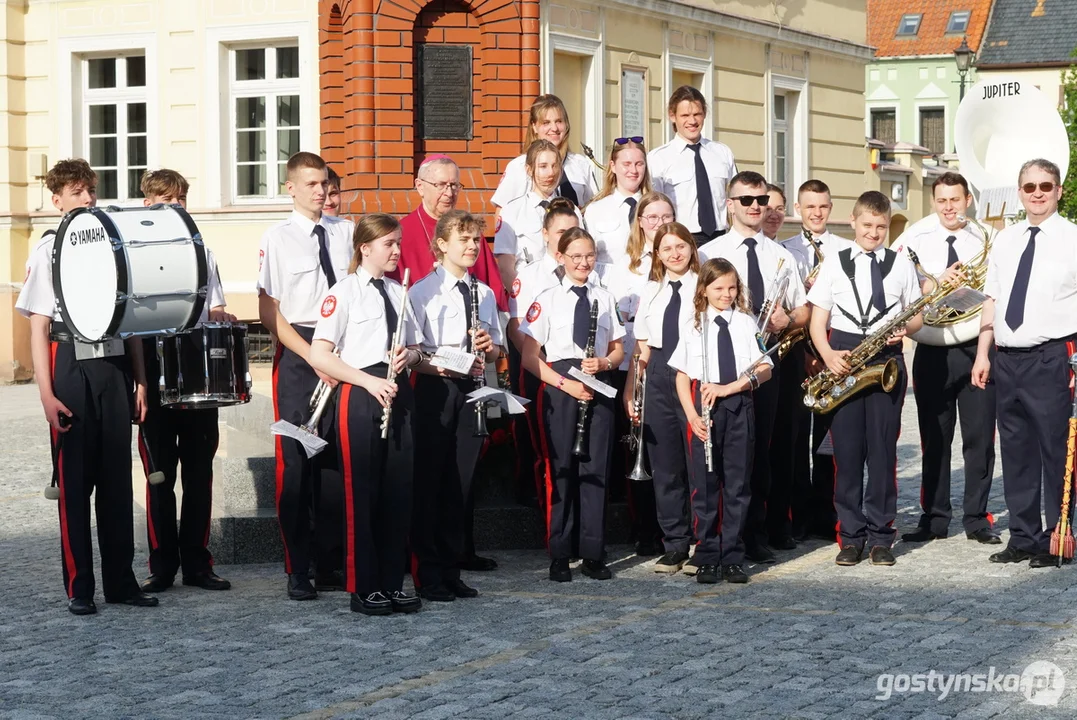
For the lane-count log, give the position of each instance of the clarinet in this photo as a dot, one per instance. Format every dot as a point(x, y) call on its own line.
point(398, 334)
point(580, 448)
point(480, 381)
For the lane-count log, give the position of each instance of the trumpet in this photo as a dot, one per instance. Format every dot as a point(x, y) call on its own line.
point(390, 375)
point(770, 303)
point(818, 258)
point(480, 382)
point(307, 433)
point(634, 438)
point(579, 448)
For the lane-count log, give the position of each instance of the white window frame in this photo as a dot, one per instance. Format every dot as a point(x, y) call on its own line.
point(118, 97)
point(882, 105)
point(950, 21)
point(934, 105)
point(73, 127)
point(901, 24)
point(699, 66)
point(594, 102)
point(219, 177)
point(797, 169)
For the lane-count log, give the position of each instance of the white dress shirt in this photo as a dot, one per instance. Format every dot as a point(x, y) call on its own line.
point(352, 317)
point(654, 299)
point(931, 247)
point(515, 183)
point(688, 355)
point(289, 268)
point(518, 230)
point(1051, 302)
point(442, 316)
point(607, 221)
point(551, 316)
point(804, 253)
point(732, 247)
point(673, 172)
point(626, 287)
point(832, 288)
point(530, 281)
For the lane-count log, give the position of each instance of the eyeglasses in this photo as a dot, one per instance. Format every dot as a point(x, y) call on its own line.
point(582, 259)
point(1030, 188)
point(655, 219)
point(442, 187)
point(747, 200)
point(624, 141)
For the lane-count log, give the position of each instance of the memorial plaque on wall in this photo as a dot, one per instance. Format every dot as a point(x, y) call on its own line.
point(445, 92)
point(633, 103)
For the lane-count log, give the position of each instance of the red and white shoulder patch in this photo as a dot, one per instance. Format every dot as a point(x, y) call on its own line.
point(497, 224)
point(515, 291)
point(261, 258)
point(329, 305)
point(533, 312)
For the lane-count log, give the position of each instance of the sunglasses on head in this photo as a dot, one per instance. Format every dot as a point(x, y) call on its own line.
point(747, 200)
point(1043, 186)
point(624, 141)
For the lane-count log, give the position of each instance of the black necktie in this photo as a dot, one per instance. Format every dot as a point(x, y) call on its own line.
point(568, 192)
point(727, 360)
point(545, 204)
point(951, 256)
point(755, 278)
point(581, 317)
point(466, 292)
point(390, 312)
point(1015, 308)
point(323, 256)
point(708, 225)
point(878, 297)
point(631, 202)
point(671, 332)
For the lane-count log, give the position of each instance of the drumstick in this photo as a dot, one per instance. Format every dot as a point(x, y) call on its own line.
point(153, 475)
point(52, 490)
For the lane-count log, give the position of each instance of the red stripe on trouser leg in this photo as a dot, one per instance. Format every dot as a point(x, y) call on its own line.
point(546, 458)
point(344, 433)
point(65, 537)
point(534, 428)
point(833, 496)
point(144, 456)
point(278, 448)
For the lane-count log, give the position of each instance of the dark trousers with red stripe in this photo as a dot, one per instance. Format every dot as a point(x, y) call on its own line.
point(640, 493)
point(818, 514)
point(308, 489)
point(171, 437)
point(1033, 409)
point(94, 456)
point(667, 452)
point(530, 462)
point(942, 384)
point(866, 429)
point(720, 498)
point(377, 479)
point(786, 448)
point(765, 400)
point(576, 485)
point(446, 454)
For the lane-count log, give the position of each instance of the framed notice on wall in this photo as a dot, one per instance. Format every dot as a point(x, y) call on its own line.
point(633, 102)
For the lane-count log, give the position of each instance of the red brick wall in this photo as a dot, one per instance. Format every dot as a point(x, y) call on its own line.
point(366, 69)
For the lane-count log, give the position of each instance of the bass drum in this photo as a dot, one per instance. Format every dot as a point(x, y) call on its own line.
point(205, 368)
point(129, 272)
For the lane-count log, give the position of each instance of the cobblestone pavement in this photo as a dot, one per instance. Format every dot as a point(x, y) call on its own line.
point(803, 639)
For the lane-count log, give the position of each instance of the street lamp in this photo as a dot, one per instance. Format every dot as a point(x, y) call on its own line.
point(964, 56)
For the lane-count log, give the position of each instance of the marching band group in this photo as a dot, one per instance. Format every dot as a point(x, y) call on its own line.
point(666, 282)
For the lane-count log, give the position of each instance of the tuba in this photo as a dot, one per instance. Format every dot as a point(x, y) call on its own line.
point(1002, 123)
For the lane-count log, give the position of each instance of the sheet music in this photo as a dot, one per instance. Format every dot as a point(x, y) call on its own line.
point(453, 359)
point(592, 382)
point(514, 404)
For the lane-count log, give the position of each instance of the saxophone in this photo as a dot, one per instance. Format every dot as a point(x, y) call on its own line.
point(825, 392)
point(791, 338)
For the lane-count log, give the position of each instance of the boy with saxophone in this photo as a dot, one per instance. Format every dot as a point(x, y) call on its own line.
point(860, 291)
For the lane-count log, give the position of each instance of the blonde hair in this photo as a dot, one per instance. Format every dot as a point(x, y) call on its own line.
point(454, 221)
point(539, 108)
point(658, 270)
point(367, 230)
point(637, 236)
point(158, 183)
point(711, 271)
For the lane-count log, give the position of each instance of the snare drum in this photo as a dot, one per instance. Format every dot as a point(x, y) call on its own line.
point(205, 368)
point(129, 272)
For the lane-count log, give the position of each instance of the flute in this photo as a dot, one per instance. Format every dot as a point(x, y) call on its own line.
point(480, 381)
point(387, 411)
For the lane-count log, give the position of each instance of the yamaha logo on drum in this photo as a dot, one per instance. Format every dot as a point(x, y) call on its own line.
point(89, 235)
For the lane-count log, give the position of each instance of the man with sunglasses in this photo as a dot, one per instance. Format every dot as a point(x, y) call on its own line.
point(693, 170)
point(757, 259)
point(1030, 316)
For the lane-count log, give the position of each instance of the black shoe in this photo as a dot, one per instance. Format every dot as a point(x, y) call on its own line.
point(986, 536)
point(402, 602)
point(157, 583)
point(648, 548)
point(136, 599)
point(881, 555)
point(849, 555)
point(690, 567)
point(783, 542)
point(475, 563)
point(460, 589)
point(299, 587)
point(759, 553)
point(671, 562)
point(708, 574)
point(1046, 560)
point(1010, 555)
point(207, 580)
point(332, 581)
point(734, 574)
point(560, 571)
point(437, 593)
point(921, 534)
point(81, 606)
point(596, 570)
point(373, 604)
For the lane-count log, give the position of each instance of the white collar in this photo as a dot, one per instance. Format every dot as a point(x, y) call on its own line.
point(305, 223)
point(712, 313)
point(448, 282)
